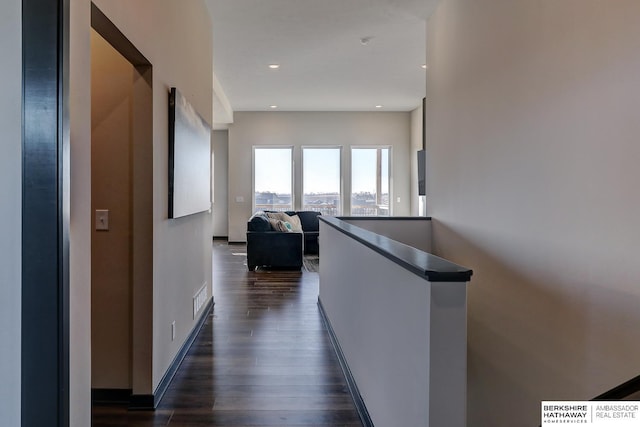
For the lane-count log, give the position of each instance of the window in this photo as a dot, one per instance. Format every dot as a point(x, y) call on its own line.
point(272, 179)
point(370, 181)
point(321, 180)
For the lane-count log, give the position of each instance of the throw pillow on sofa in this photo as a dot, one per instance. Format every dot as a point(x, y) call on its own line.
point(278, 215)
point(279, 225)
point(296, 226)
point(293, 221)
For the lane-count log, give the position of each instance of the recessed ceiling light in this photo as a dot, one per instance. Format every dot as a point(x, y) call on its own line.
point(424, 66)
point(378, 106)
point(273, 106)
point(274, 66)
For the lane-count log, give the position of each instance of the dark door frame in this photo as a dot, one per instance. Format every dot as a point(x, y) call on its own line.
point(45, 213)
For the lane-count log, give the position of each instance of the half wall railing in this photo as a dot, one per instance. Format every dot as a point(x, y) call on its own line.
point(397, 317)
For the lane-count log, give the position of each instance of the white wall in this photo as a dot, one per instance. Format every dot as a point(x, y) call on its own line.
point(80, 215)
point(112, 81)
point(300, 129)
point(402, 336)
point(10, 210)
point(533, 182)
point(220, 141)
point(413, 232)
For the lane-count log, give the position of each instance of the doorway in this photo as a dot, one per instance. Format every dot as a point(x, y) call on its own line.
point(122, 215)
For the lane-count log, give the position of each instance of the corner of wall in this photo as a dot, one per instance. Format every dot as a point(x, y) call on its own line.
point(11, 212)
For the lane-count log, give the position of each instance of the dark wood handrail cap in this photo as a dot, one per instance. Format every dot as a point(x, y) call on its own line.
point(423, 264)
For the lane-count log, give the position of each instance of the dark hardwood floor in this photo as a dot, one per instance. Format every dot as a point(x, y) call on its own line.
point(263, 358)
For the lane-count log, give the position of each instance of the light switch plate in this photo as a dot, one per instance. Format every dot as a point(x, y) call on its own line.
point(102, 219)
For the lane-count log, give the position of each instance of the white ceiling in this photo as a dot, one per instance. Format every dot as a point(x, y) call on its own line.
point(324, 66)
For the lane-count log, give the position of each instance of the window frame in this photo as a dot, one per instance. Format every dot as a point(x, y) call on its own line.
point(340, 172)
point(389, 172)
point(291, 148)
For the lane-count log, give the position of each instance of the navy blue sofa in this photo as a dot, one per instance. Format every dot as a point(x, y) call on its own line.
point(277, 249)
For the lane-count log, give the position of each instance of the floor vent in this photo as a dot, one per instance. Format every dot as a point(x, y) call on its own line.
point(200, 299)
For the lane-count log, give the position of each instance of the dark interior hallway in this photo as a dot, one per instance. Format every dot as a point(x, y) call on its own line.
point(263, 358)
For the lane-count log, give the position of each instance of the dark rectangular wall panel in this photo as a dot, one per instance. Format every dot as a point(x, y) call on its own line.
point(45, 214)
